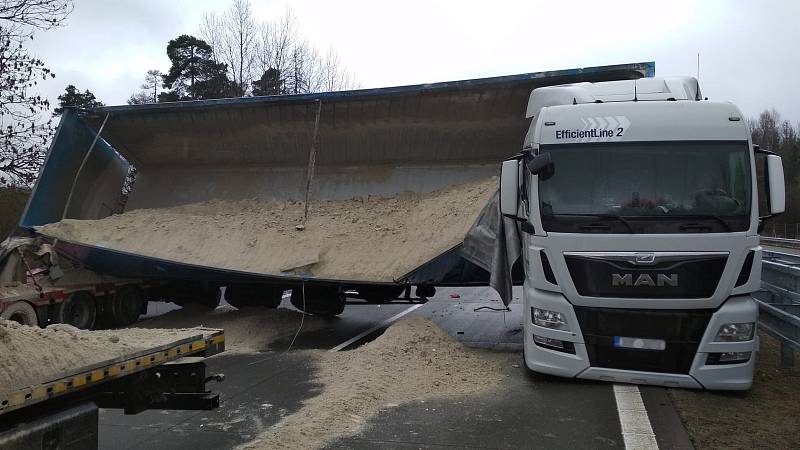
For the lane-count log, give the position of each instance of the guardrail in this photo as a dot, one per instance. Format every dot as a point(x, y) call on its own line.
point(781, 230)
point(779, 300)
point(780, 242)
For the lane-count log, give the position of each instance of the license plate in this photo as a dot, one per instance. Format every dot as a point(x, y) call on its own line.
point(639, 343)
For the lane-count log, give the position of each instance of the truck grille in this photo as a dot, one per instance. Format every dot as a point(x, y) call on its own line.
point(680, 277)
point(681, 329)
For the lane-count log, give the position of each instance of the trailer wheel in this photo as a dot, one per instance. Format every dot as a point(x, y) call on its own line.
point(244, 295)
point(377, 294)
point(21, 312)
point(184, 293)
point(210, 297)
point(78, 310)
point(126, 306)
point(319, 300)
point(426, 291)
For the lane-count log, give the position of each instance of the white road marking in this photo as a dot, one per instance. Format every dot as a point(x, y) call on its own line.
point(375, 328)
point(637, 433)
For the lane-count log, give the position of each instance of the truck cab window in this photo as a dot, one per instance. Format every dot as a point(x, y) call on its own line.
point(656, 187)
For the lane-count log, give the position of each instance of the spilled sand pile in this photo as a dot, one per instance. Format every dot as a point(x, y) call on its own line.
point(366, 239)
point(414, 359)
point(246, 330)
point(33, 355)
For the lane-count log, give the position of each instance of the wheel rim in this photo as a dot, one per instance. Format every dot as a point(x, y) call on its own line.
point(78, 313)
point(76, 316)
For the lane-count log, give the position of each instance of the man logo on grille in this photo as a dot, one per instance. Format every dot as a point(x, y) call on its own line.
point(627, 279)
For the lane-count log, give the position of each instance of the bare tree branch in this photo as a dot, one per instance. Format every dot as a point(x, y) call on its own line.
point(38, 14)
point(271, 58)
point(233, 37)
point(24, 130)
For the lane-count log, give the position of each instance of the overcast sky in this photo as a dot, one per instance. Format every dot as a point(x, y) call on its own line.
point(749, 50)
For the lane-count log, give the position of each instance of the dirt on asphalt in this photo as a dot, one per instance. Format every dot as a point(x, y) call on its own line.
point(767, 416)
point(247, 330)
point(413, 360)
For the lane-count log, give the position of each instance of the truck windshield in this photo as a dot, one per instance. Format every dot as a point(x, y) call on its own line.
point(638, 187)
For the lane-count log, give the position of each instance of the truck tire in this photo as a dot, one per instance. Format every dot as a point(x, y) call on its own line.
point(126, 306)
point(184, 293)
point(78, 310)
point(244, 295)
point(210, 297)
point(377, 294)
point(323, 301)
point(21, 312)
point(426, 291)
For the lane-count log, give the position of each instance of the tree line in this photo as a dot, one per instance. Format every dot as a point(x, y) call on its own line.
point(235, 56)
point(770, 132)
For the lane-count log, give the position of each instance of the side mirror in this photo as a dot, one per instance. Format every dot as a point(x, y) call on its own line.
point(509, 188)
point(776, 189)
point(541, 164)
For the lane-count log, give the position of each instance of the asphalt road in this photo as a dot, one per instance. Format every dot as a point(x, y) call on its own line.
point(524, 412)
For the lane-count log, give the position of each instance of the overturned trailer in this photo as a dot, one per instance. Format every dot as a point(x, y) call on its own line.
point(407, 154)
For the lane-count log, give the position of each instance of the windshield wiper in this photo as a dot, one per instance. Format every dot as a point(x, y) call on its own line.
point(715, 217)
point(615, 217)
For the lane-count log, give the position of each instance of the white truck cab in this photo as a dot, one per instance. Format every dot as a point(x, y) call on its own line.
point(637, 203)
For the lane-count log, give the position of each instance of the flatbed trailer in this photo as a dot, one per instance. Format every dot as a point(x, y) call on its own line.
point(62, 412)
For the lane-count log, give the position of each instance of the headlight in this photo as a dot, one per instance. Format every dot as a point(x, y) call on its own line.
point(735, 332)
point(549, 319)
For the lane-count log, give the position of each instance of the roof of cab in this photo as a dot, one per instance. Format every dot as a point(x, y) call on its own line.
point(657, 88)
point(642, 121)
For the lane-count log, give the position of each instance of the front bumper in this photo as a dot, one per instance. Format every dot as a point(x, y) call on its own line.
point(589, 358)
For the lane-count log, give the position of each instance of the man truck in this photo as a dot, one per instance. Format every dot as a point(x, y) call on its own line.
point(636, 206)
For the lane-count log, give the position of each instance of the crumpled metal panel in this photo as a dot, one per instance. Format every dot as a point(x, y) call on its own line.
point(98, 188)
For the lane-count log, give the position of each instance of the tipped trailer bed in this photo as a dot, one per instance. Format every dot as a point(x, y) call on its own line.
point(321, 147)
